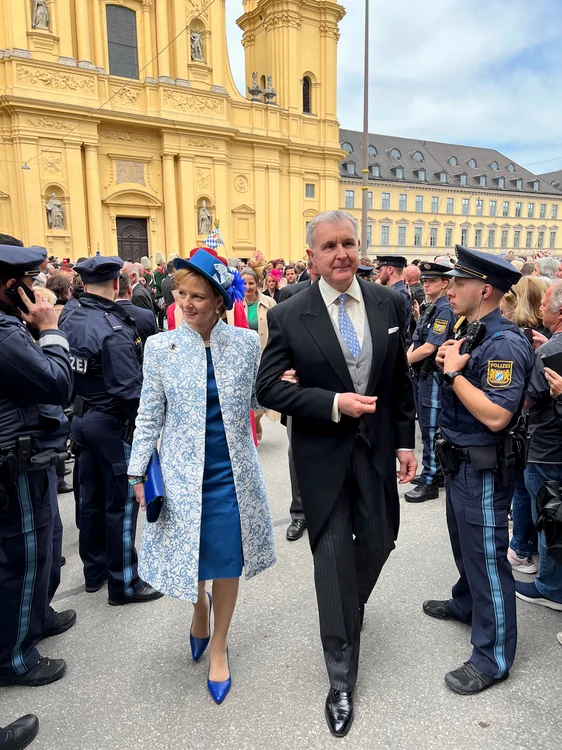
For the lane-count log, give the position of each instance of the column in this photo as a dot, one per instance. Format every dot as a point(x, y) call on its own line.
point(83, 34)
point(18, 28)
point(26, 150)
point(149, 52)
point(223, 204)
point(276, 242)
point(64, 24)
point(76, 224)
point(170, 204)
point(94, 199)
point(99, 37)
point(188, 227)
point(260, 204)
point(181, 46)
point(163, 40)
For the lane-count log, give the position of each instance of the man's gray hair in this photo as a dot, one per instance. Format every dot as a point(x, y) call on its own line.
point(547, 266)
point(556, 299)
point(335, 217)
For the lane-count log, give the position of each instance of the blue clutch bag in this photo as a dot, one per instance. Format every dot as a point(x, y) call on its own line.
point(154, 489)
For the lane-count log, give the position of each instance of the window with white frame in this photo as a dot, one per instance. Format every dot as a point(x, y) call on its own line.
point(464, 179)
point(479, 207)
point(464, 236)
point(540, 239)
point(369, 200)
point(375, 170)
point(402, 236)
point(530, 210)
point(493, 207)
point(491, 237)
point(542, 211)
point(448, 237)
point(477, 238)
point(518, 207)
point(385, 202)
point(450, 205)
point(421, 175)
point(350, 198)
point(554, 211)
point(501, 182)
point(529, 238)
point(309, 190)
point(385, 235)
point(516, 239)
point(417, 236)
point(465, 206)
point(504, 238)
point(369, 235)
point(399, 173)
point(419, 204)
point(434, 204)
point(505, 208)
point(433, 237)
point(552, 242)
point(403, 202)
point(351, 167)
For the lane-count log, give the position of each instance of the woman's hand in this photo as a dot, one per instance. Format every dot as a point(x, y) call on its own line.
point(416, 309)
point(138, 489)
point(554, 381)
point(290, 376)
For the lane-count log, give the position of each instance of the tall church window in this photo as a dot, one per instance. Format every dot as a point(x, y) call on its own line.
point(306, 95)
point(122, 42)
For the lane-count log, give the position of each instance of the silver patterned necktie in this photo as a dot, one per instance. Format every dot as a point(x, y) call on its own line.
point(348, 332)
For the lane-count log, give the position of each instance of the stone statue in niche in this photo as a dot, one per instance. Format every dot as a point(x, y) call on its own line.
point(55, 214)
point(40, 19)
point(196, 46)
point(205, 219)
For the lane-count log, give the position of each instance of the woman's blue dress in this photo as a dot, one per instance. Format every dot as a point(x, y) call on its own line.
point(220, 553)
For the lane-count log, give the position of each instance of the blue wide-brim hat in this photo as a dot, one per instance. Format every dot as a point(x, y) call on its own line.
point(216, 273)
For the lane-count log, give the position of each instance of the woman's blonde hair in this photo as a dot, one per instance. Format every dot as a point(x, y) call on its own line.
point(523, 301)
point(46, 294)
point(187, 273)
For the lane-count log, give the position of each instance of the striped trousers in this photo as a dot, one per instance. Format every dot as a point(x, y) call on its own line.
point(349, 554)
point(30, 548)
point(484, 595)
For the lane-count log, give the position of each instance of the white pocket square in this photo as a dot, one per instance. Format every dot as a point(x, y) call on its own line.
point(393, 330)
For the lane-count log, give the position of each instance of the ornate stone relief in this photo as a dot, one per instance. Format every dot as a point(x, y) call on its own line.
point(282, 18)
point(248, 38)
point(201, 143)
point(203, 178)
point(203, 105)
point(54, 79)
point(48, 123)
point(329, 29)
point(125, 96)
point(125, 135)
point(197, 8)
point(241, 183)
point(52, 163)
point(130, 171)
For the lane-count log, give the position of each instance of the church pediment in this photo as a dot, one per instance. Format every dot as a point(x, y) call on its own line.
point(128, 197)
point(243, 209)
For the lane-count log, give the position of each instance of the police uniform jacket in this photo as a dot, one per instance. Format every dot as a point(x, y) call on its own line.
point(500, 366)
point(435, 325)
point(106, 356)
point(35, 376)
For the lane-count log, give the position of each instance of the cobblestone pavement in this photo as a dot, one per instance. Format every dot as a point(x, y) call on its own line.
point(131, 683)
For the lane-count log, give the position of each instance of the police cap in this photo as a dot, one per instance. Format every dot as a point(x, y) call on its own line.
point(485, 267)
point(17, 262)
point(365, 270)
point(434, 270)
point(397, 261)
point(98, 269)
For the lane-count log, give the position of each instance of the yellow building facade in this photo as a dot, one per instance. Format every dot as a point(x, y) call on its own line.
point(122, 130)
point(425, 197)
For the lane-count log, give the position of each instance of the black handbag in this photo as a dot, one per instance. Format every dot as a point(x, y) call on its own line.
point(549, 517)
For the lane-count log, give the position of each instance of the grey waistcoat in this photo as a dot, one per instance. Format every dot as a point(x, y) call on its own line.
point(360, 369)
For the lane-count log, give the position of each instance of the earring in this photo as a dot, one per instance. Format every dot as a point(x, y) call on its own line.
point(217, 312)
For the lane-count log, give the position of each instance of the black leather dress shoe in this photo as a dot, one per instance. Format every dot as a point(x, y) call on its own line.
point(91, 588)
point(339, 712)
point(62, 560)
point(43, 673)
point(64, 621)
point(422, 493)
point(439, 609)
point(21, 733)
point(418, 480)
point(145, 594)
point(468, 679)
point(296, 529)
point(64, 487)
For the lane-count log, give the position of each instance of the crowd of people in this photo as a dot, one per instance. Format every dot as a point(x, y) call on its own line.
point(120, 371)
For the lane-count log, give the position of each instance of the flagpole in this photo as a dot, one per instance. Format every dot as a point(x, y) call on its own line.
point(365, 169)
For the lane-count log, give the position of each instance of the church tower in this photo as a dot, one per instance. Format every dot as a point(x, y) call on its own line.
point(294, 42)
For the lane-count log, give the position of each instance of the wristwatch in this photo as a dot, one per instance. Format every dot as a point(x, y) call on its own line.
point(449, 377)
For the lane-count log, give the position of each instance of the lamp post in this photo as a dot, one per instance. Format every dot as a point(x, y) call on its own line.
point(365, 169)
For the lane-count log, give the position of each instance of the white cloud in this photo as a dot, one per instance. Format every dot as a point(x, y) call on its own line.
point(482, 73)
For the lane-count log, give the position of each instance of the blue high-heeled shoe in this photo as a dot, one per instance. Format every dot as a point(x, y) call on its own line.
point(219, 690)
point(198, 645)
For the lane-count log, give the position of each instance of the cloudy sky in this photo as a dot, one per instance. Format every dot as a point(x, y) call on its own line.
point(478, 72)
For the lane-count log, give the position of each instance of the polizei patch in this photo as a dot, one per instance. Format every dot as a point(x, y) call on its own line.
point(500, 372)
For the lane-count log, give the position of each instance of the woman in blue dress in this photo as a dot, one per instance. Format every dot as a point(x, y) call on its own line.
point(198, 389)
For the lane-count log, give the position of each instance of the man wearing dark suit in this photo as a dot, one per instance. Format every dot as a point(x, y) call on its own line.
point(336, 363)
point(140, 297)
point(144, 319)
point(168, 285)
point(291, 289)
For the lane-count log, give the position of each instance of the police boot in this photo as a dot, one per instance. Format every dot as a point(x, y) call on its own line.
point(422, 493)
point(21, 733)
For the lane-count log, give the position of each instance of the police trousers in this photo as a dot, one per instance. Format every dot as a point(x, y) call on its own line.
point(108, 509)
point(429, 408)
point(30, 555)
point(484, 595)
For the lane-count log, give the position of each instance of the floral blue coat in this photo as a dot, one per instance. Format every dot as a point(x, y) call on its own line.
point(173, 405)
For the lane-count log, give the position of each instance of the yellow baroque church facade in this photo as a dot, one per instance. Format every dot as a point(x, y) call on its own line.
point(122, 130)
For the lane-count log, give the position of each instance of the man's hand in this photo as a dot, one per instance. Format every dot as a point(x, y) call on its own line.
point(453, 360)
point(408, 466)
point(416, 309)
point(138, 489)
point(554, 381)
point(440, 356)
point(355, 405)
point(538, 340)
point(41, 316)
point(290, 376)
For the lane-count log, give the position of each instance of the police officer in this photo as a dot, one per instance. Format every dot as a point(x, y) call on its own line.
point(434, 328)
point(106, 356)
point(391, 270)
point(34, 376)
point(483, 392)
